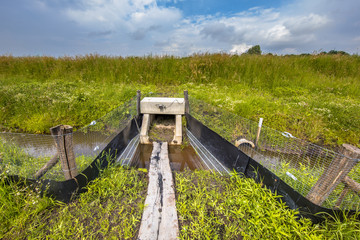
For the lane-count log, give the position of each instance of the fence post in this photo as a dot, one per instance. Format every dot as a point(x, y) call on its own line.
point(70, 155)
point(337, 171)
point(63, 140)
point(258, 131)
point(138, 99)
point(187, 105)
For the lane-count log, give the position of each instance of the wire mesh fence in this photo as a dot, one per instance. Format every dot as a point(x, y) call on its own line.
point(315, 172)
point(322, 175)
point(25, 154)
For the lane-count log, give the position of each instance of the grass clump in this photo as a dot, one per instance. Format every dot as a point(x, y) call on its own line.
point(211, 206)
point(111, 208)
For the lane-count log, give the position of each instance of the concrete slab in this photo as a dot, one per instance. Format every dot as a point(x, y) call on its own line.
point(158, 105)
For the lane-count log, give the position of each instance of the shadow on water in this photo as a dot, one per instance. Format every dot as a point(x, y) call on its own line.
point(181, 158)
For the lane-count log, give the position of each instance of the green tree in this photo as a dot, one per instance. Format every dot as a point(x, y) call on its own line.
point(254, 50)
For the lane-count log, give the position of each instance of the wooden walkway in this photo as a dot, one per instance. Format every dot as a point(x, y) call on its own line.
point(159, 219)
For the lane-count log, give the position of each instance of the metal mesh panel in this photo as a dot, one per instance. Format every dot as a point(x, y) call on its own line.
point(25, 154)
point(297, 162)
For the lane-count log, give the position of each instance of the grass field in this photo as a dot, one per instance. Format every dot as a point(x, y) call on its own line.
point(316, 98)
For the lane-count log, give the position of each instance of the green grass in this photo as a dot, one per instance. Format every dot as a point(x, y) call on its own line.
point(316, 98)
point(110, 209)
point(211, 206)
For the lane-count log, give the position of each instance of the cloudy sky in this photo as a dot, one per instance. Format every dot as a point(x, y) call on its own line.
point(177, 27)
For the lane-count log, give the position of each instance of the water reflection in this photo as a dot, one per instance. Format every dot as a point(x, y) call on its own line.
point(181, 158)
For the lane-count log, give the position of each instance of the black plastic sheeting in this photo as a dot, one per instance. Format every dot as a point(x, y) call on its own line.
point(234, 159)
point(65, 190)
point(229, 155)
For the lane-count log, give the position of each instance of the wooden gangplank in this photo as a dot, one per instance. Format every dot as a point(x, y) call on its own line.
point(159, 219)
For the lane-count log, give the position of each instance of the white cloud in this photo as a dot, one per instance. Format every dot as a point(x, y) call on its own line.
point(306, 24)
point(138, 17)
point(240, 48)
point(269, 28)
point(302, 26)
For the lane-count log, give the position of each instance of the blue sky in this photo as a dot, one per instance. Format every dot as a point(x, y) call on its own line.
point(176, 27)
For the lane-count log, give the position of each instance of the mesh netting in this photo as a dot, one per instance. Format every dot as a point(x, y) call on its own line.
point(25, 154)
point(297, 162)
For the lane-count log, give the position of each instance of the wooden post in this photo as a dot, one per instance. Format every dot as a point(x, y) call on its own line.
point(187, 105)
point(70, 155)
point(342, 196)
point(63, 140)
point(337, 171)
point(138, 99)
point(47, 166)
point(352, 184)
point(259, 131)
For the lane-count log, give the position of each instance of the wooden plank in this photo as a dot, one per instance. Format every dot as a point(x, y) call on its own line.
point(334, 174)
point(47, 166)
point(159, 219)
point(169, 228)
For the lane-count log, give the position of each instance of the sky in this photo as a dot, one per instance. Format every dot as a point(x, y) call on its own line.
point(177, 27)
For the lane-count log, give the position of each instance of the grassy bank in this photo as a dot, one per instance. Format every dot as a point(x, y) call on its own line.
point(110, 209)
point(211, 206)
point(316, 98)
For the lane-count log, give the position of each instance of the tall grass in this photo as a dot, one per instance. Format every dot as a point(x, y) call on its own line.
point(313, 97)
point(266, 72)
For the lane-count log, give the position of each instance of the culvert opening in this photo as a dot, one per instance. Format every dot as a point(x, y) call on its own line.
point(181, 157)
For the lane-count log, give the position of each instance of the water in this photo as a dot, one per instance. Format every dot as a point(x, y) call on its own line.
point(181, 158)
point(91, 143)
point(36, 145)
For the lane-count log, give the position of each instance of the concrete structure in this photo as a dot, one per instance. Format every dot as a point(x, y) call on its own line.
point(151, 106)
point(160, 105)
